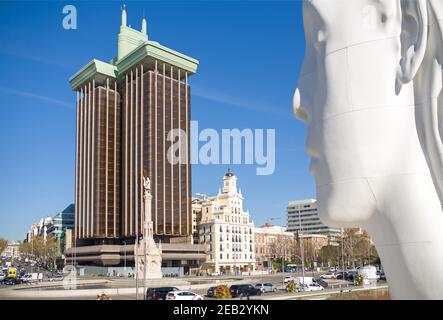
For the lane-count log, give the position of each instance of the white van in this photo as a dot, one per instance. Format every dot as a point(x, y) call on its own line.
point(369, 273)
point(306, 280)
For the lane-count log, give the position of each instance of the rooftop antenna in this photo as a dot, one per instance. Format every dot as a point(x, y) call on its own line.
point(123, 9)
point(144, 27)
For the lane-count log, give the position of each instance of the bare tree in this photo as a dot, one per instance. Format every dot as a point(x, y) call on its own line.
point(3, 245)
point(43, 251)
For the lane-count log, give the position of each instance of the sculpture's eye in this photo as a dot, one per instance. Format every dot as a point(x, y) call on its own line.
point(314, 26)
point(319, 40)
point(321, 36)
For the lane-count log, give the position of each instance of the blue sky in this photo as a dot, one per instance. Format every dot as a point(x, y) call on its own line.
point(250, 54)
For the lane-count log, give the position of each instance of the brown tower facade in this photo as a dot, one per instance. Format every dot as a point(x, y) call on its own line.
point(98, 161)
point(156, 101)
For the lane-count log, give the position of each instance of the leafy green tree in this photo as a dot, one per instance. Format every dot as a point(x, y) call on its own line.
point(222, 292)
point(291, 287)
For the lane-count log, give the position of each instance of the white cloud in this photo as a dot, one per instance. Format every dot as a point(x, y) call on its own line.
point(35, 96)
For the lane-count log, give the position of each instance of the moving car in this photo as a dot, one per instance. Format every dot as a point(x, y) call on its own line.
point(244, 290)
point(56, 277)
point(183, 295)
point(288, 279)
point(310, 287)
point(329, 275)
point(341, 277)
point(11, 281)
point(211, 292)
point(266, 287)
point(216, 274)
point(159, 293)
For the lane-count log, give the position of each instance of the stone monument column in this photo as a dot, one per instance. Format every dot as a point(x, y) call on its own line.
point(147, 252)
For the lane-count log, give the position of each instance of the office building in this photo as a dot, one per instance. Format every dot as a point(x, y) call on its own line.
point(303, 215)
point(125, 110)
point(272, 242)
point(61, 228)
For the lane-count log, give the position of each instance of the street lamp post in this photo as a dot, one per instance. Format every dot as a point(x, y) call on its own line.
point(124, 243)
point(32, 254)
point(283, 258)
point(302, 250)
point(343, 253)
point(283, 253)
point(136, 267)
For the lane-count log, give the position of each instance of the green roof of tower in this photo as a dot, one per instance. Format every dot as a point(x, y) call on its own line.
point(134, 48)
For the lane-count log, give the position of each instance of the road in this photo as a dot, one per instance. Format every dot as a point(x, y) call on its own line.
point(123, 289)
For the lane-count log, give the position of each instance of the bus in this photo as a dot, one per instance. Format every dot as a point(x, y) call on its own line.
point(12, 272)
point(293, 268)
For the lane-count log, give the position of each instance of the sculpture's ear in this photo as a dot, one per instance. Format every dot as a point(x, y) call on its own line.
point(414, 36)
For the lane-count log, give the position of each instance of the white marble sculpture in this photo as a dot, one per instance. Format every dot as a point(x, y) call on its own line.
point(147, 252)
point(369, 92)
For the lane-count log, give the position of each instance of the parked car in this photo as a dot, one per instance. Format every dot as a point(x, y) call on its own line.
point(288, 278)
point(211, 292)
point(216, 274)
point(2, 277)
point(183, 295)
point(266, 287)
point(25, 278)
point(342, 275)
point(310, 287)
point(244, 290)
point(321, 282)
point(56, 277)
point(11, 281)
point(329, 275)
point(351, 275)
point(159, 293)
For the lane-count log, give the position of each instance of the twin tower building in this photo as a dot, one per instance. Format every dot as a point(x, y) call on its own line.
point(125, 110)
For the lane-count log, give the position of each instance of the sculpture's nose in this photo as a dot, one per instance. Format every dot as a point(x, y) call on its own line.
point(297, 109)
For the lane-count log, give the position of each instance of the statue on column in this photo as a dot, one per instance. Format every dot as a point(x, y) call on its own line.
point(147, 253)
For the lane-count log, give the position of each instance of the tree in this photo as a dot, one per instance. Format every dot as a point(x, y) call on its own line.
point(43, 251)
point(222, 292)
point(3, 245)
point(358, 248)
point(329, 255)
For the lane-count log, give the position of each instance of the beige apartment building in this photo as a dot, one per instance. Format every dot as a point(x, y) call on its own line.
point(227, 230)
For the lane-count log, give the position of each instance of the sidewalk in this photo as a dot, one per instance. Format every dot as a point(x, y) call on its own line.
point(300, 295)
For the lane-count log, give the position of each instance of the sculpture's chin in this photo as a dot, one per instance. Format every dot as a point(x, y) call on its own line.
point(345, 204)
